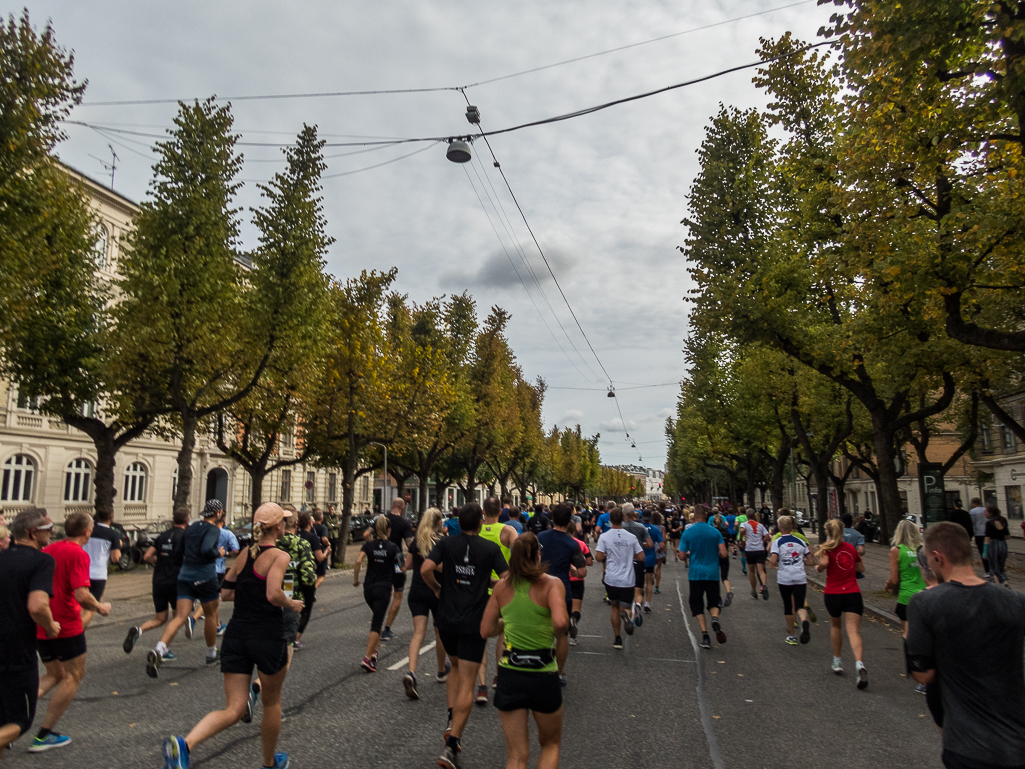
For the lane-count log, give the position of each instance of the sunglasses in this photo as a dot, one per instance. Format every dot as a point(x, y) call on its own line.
point(47, 527)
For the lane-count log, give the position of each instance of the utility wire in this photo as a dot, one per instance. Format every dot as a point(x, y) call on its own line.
point(378, 165)
point(392, 91)
point(635, 387)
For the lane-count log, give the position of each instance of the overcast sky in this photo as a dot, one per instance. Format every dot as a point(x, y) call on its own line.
point(604, 193)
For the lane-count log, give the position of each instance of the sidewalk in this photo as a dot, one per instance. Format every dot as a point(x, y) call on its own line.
point(877, 570)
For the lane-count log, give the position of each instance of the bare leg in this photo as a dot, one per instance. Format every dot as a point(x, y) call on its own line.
point(373, 640)
point(393, 610)
point(270, 726)
point(461, 686)
point(791, 624)
point(74, 672)
point(836, 635)
point(439, 650)
point(419, 631)
point(853, 623)
point(181, 613)
point(210, 623)
point(155, 622)
point(8, 734)
point(517, 738)
point(752, 576)
point(761, 573)
point(482, 671)
point(549, 734)
point(615, 619)
point(236, 694)
point(649, 586)
point(702, 623)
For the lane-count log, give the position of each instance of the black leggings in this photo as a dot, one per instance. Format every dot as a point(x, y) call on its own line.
point(309, 598)
point(793, 597)
point(378, 597)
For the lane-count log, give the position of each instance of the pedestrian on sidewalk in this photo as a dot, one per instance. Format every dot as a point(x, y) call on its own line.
point(995, 543)
point(842, 563)
point(971, 636)
point(978, 514)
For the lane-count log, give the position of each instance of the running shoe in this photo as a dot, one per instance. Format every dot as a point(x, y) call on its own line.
point(638, 618)
point(647, 609)
point(169, 656)
point(153, 661)
point(862, 677)
point(369, 665)
point(562, 681)
point(482, 695)
point(221, 628)
point(628, 624)
point(254, 693)
point(176, 753)
point(754, 594)
point(729, 599)
point(409, 682)
point(921, 689)
point(572, 642)
point(805, 632)
point(765, 592)
point(791, 640)
point(280, 761)
point(130, 639)
point(215, 659)
point(494, 682)
point(190, 626)
point(443, 674)
point(449, 759)
point(743, 565)
point(838, 667)
point(607, 601)
point(298, 646)
point(720, 636)
point(618, 642)
point(52, 740)
point(657, 591)
point(572, 629)
point(706, 642)
point(388, 635)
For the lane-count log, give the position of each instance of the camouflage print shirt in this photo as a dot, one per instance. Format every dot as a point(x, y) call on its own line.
point(302, 566)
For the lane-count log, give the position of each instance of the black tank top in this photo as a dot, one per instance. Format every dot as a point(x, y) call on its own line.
point(255, 618)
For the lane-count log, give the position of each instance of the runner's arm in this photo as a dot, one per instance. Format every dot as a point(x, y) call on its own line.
point(491, 623)
point(722, 550)
point(894, 579)
point(355, 569)
point(87, 601)
point(150, 556)
point(557, 606)
point(228, 593)
point(39, 608)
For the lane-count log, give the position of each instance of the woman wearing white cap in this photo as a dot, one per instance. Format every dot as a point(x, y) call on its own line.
point(255, 638)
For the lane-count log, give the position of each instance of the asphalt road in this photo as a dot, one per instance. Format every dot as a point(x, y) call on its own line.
point(753, 702)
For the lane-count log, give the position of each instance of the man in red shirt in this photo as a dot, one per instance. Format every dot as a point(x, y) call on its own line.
point(64, 656)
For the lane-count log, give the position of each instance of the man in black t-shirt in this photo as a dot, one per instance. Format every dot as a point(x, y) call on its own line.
point(320, 530)
point(165, 579)
point(564, 557)
point(969, 635)
point(401, 532)
point(465, 562)
point(309, 592)
point(27, 577)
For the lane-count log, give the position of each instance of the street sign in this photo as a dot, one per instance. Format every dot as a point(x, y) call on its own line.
point(930, 487)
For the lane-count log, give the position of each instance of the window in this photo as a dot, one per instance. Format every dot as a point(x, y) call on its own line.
point(286, 440)
point(286, 485)
point(332, 487)
point(88, 409)
point(76, 481)
point(100, 249)
point(26, 403)
point(174, 483)
point(1008, 437)
point(311, 486)
point(987, 439)
point(19, 472)
point(135, 483)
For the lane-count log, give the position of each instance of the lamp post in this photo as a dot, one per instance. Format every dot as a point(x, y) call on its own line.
point(384, 491)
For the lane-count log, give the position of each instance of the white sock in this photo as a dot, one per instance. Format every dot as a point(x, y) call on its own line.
point(837, 659)
point(211, 652)
point(859, 665)
point(160, 648)
point(648, 604)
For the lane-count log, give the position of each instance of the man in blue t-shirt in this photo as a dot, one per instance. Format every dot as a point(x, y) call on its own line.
point(731, 532)
point(452, 524)
point(651, 556)
point(704, 546)
point(564, 558)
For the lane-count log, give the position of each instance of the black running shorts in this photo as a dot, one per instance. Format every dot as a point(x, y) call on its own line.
point(754, 556)
point(96, 587)
point(793, 597)
point(520, 690)
point(204, 591)
point(844, 603)
point(467, 647)
point(649, 569)
point(576, 589)
point(901, 610)
point(423, 601)
point(398, 582)
point(703, 593)
point(18, 697)
point(620, 595)
point(724, 569)
point(61, 649)
point(240, 655)
point(291, 621)
point(638, 574)
point(165, 597)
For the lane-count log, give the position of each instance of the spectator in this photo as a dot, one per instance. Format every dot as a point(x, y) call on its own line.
point(851, 535)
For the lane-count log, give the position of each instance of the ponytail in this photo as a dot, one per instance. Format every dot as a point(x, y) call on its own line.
point(523, 559)
point(834, 532)
point(258, 532)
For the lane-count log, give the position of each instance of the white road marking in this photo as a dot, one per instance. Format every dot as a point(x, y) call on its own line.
point(405, 660)
point(706, 718)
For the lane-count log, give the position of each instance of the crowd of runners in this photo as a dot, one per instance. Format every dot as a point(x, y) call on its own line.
point(518, 577)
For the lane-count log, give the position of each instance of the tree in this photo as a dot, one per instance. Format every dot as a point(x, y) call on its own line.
point(290, 288)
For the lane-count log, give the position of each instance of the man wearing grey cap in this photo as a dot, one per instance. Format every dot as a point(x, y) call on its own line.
point(197, 552)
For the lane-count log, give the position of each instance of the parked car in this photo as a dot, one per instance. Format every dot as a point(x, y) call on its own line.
point(243, 533)
point(357, 525)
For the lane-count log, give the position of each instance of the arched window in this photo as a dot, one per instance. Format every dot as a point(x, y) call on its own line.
point(100, 249)
point(19, 472)
point(77, 477)
point(135, 482)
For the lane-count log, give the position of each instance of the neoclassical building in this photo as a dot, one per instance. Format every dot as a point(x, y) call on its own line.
point(48, 464)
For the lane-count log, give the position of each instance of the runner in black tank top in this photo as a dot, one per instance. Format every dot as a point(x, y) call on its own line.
point(255, 638)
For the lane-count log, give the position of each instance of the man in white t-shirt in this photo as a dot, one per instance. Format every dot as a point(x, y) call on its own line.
point(104, 548)
point(978, 514)
point(791, 554)
point(617, 550)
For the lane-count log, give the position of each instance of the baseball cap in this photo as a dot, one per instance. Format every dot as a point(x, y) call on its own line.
point(270, 514)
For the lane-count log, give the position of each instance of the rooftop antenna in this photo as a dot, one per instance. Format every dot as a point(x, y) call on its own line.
point(111, 166)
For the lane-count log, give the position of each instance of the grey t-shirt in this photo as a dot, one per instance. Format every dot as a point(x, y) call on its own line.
point(638, 530)
point(974, 636)
point(978, 515)
point(853, 537)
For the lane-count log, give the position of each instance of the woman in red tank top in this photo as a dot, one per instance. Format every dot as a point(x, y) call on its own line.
point(841, 562)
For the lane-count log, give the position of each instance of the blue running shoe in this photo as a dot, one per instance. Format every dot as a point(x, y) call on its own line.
point(51, 740)
point(280, 761)
point(190, 625)
point(176, 753)
point(169, 656)
point(221, 628)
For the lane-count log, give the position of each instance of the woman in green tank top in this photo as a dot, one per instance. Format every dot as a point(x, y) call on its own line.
point(529, 607)
point(905, 574)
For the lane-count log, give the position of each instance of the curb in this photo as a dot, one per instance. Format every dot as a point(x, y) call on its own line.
point(880, 614)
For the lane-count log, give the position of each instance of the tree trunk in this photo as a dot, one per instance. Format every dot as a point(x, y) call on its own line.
point(821, 501)
point(184, 490)
point(256, 477)
point(841, 496)
point(890, 504)
point(348, 492)
point(424, 493)
point(103, 479)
